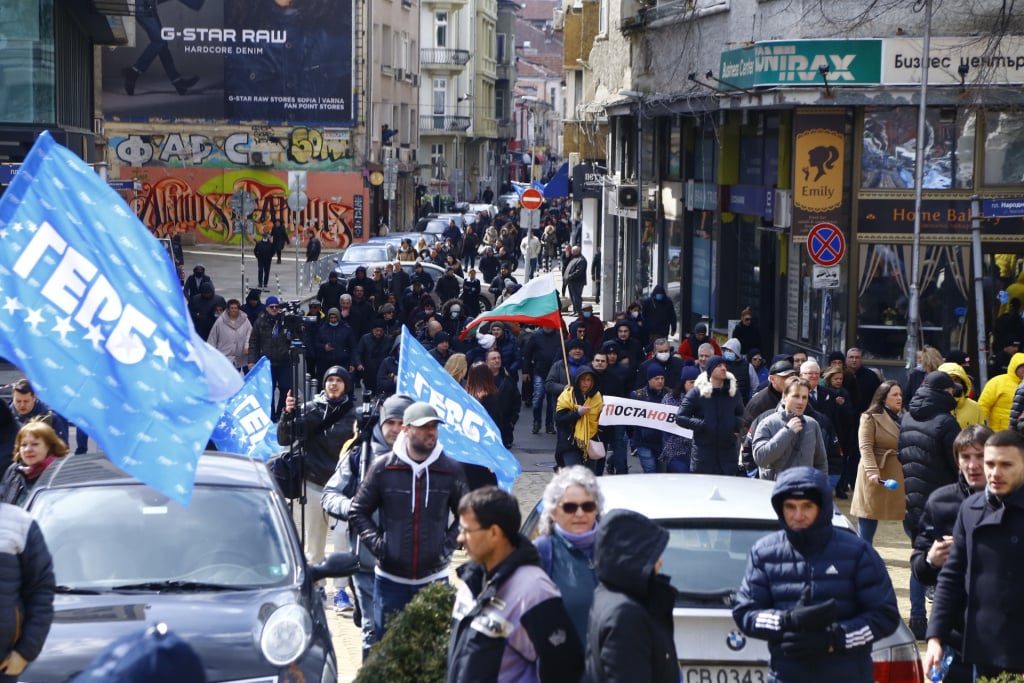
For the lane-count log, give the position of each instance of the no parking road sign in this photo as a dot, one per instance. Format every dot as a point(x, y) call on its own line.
point(826, 244)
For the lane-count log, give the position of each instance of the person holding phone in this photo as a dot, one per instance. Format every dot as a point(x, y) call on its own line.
point(935, 537)
point(789, 438)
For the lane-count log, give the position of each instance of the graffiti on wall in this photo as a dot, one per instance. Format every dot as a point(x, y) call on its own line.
point(298, 148)
point(173, 205)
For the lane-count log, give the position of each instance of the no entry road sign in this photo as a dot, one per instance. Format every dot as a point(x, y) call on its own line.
point(531, 199)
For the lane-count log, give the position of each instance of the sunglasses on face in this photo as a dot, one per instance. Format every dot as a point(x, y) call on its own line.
point(571, 508)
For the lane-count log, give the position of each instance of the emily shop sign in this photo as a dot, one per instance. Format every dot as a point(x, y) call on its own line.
point(888, 61)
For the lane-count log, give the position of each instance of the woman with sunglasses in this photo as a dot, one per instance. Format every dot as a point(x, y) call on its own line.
point(572, 504)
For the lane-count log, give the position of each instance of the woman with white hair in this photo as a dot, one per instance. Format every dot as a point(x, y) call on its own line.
point(572, 506)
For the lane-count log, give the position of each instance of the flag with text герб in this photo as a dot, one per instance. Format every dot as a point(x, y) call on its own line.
point(245, 427)
point(93, 314)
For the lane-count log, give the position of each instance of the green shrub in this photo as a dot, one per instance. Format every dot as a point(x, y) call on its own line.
point(415, 648)
point(1002, 678)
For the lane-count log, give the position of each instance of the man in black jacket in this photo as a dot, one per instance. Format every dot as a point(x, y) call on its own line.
point(933, 541)
point(411, 491)
point(976, 585)
point(540, 353)
point(508, 615)
point(323, 427)
point(575, 277)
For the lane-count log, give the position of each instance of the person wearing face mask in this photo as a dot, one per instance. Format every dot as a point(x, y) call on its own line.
point(659, 313)
point(662, 358)
point(453, 321)
point(635, 316)
point(746, 378)
point(593, 325)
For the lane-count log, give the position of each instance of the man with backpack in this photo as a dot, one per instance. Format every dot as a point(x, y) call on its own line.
point(341, 489)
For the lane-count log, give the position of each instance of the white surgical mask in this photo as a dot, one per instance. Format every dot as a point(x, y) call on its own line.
point(634, 314)
point(728, 355)
point(662, 356)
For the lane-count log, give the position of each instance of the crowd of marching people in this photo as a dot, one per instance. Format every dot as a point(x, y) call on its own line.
point(936, 452)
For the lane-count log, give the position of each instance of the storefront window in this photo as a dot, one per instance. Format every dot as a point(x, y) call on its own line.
point(1004, 148)
point(890, 147)
point(27, 62)
point(883, 297)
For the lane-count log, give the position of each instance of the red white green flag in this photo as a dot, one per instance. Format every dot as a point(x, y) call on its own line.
point(536, 303)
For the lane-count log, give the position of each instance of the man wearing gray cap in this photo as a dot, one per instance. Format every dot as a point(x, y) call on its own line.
point(406, 513)
point(342, 487)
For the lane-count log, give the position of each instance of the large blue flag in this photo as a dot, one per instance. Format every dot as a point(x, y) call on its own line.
point(245, 426)
point(93, 314)
point(468, 433)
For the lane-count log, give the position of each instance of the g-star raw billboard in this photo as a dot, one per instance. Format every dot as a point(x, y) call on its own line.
point(234, 60)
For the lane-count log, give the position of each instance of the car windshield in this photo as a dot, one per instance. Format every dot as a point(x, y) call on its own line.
point(436, 226)
point(706, 560)
point(366, 253)
point(117, 537)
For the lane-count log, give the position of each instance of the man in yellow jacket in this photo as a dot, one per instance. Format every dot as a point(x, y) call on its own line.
point(967, 411)
point(997, 397)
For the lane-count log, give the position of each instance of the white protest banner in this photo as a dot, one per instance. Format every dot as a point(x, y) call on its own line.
point(632, 413)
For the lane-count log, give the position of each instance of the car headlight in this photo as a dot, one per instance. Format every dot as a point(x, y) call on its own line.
point(286, 635)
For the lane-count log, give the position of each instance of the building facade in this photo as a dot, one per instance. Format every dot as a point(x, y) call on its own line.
point(763, 154)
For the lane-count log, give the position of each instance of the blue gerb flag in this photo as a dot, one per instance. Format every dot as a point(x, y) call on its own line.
point(93, 314)
point(468, 433)
point(245, 426)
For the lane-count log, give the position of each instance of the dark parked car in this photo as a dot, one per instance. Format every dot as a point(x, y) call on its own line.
point(227, 573)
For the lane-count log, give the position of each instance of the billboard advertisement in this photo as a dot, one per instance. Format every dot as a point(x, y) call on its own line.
point(234, 60)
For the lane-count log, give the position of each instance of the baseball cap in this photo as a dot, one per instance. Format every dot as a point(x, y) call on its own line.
point(419, 414)
point(782, 368)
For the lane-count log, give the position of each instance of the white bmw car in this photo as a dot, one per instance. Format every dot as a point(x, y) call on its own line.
point(713, 521)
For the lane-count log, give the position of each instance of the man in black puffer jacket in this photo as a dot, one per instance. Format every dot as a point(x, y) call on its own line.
point(925, 449)
point(714, 412)
point(819, 595)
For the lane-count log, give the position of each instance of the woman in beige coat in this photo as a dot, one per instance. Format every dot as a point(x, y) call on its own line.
point(879, 460)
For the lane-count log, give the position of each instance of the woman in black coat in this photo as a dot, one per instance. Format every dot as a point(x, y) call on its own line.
point(630, 631)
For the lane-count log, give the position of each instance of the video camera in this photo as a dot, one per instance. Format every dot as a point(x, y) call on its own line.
point(369, 415)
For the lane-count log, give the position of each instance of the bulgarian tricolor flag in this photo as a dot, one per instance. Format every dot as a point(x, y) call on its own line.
point(536, 303)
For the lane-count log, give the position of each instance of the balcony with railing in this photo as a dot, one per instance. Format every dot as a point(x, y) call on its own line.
point(433, 123)
point(443, 58)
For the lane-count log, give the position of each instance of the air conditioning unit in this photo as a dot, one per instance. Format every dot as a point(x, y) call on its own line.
point(399, 73)
point(387, 152)
point(405, 154)
point(629, 197)
point(558, 20)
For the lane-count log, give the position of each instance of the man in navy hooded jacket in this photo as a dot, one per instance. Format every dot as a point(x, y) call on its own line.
point(820, 596)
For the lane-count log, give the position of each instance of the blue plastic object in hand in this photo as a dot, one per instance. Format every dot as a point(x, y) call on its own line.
point(939, 671)
point(891, 484)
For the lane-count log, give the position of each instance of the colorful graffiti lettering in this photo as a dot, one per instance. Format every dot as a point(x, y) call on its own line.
point(299, 149)
point(170, 206)
point(310, 144)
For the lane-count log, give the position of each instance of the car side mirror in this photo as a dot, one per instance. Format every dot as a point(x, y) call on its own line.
point(334, 565)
